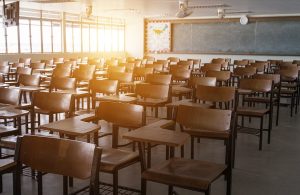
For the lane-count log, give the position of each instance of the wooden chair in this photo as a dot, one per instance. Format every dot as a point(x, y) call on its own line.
point(15, 75)
point(223, 77)
point(210, 66)
point(58, 60)
point(241, 72)
point(173, 60)
point(37, 65)
point(156, 67)
point(152, 95)
point(56, 103)
point(290, 87)
point(240, 63)
point(125, 83)
point(140, 73)
point(112, 69)
point(165, 63)
point(128, 67)
point(195, 174)
point(149, 59)
point(84, 75)
point(104, 87)
point(61, 72)
point(261, 67)
point(277, 89)
point(44, 154)
point(185, 64)
point(224, 63)
point(26, 61)
point(180, 83)
point(258, 87)
point(196, 63)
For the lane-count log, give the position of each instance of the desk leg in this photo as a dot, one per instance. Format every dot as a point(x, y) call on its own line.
point(19, 125)
point(142, 156)
point(71, 178)
point(172, 152)
point(115, 136)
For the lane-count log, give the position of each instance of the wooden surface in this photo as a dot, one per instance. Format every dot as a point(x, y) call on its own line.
point(154, 134)
point(10, 112)
point(118, 98)
point(71, 126)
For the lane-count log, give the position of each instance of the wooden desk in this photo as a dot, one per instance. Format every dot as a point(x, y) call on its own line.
point(28, 89)
point(10, 112)
point(154, 134)
point(118, 98)
point(73, 128)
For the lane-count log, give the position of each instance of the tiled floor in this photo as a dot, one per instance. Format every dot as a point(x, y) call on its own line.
point(273, 171)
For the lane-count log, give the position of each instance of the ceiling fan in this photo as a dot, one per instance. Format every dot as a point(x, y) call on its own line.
point(184, 9)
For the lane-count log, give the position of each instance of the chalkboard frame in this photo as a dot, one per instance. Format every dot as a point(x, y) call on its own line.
point(217, 20)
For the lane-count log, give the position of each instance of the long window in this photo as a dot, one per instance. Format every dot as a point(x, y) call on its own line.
point(46, 32)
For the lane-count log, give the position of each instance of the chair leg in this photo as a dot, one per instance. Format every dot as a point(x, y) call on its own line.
point(207, 192)
point(65, 185)
point(115, 183)
point(143, 187)
point(1, 184)
point(270, 127)
point(170, 190)
point(192, 147)
point(261, 132)
point(277, 113)
point(40, 183)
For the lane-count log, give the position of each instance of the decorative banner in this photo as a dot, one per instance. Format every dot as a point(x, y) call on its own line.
point(158, 37)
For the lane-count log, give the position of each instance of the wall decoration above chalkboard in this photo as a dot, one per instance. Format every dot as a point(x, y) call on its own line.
point(158, 37)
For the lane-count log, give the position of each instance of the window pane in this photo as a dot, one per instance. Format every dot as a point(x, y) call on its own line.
point(12, 39)
point(56, 32)
point(108, 38)
point(36, 36)
point(24, 36)
point(114, 39)
point(77, 37)
point(121, 40)
point(93, 38)
point(2, 38)
point(69, 37)
point(47, 38)
point(85, 38)
point(101, 38)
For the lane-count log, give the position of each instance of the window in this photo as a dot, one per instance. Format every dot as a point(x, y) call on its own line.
point(41, 31)
point(85, 38)
point(12, 39)
point(47, 36)
point(36, 45)
point(24, 36)
point(2, 38)
point(56, 32)
point(77, 37)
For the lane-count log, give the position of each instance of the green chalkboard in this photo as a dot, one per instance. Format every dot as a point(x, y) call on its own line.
point(280, 37)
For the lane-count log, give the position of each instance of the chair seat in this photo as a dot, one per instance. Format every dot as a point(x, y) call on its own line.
point(7, 164)
point(185, 173)
point(252, 111)
point(115, 159)
point(8, 131)
point(208, 134)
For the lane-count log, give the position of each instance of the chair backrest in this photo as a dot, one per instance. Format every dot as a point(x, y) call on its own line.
point(219, 75)
point(59, 156)
point(26, 61)
point(23, 70)
point(66, 65)
point(128, 66)
point(37, 65)
point(210, 66)
point(198, 118)
point(138, 63)
point(207, 81)
point(215, 94)
point(180, 74)
point(84, 73)
point(156, 66)
point(62, 83)
point(112, 69)
point(218, 61)
point(241, 62)
point(10, 96)
point(61, 72)
point(104, 86)
point(112, 62)
point(165, 63)
point(256, 85)
point(286, 65)
point(17, 64)
point(146, 90)
point(58, 60)
point(122, 77)
point(29, 80)
point(4, 69)
point(53, 102)
point(159, 79)
point(121, 114)
point(274, 77)
point(149, 58)
point(140, 73)
point(260, 66)
point(130, 59)
point(189, 64)
point(244, 71)
point(173, 60)
point(290, 74)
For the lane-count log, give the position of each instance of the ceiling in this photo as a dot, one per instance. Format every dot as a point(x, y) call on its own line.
point(157, 8)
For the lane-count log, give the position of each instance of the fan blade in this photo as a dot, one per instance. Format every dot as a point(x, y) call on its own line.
point(208, 6)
